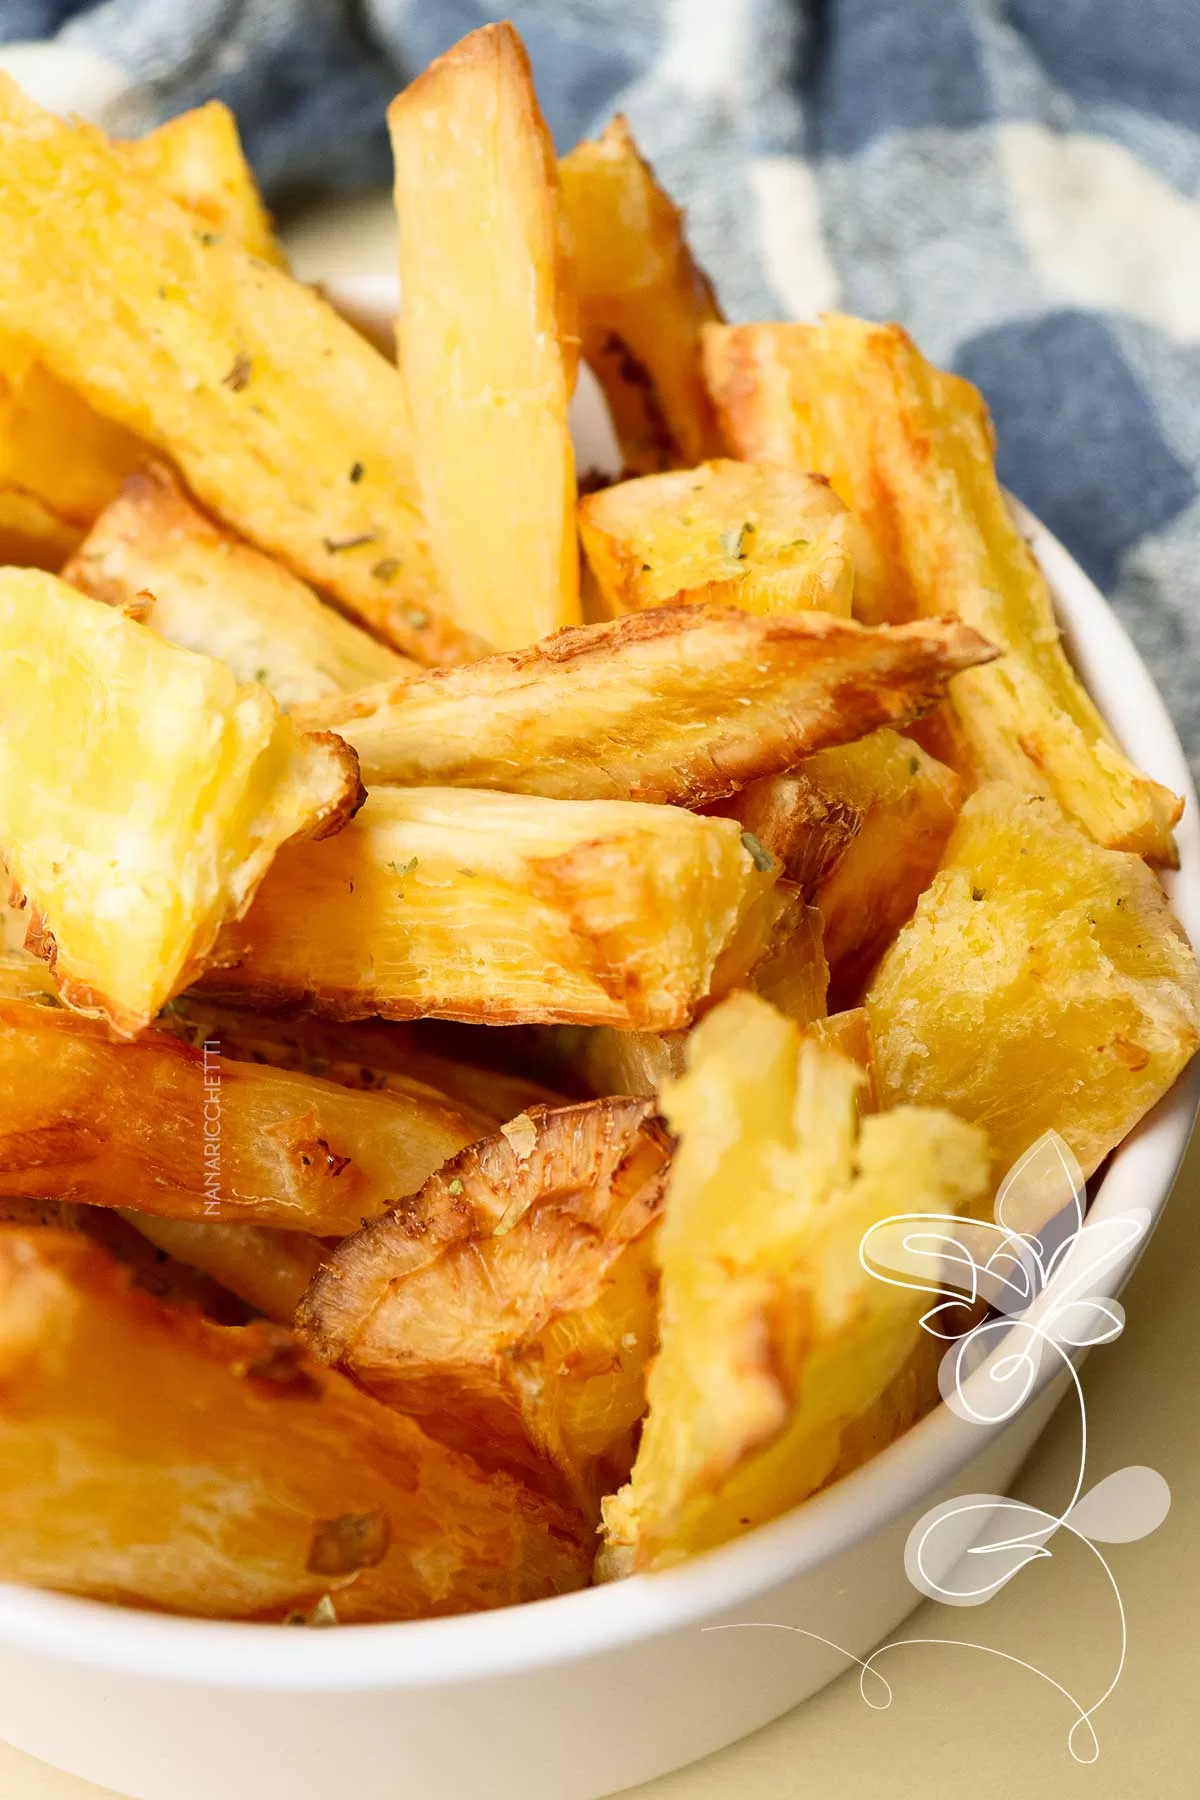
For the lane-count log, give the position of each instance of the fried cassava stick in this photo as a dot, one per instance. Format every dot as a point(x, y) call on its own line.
point(150, 1458)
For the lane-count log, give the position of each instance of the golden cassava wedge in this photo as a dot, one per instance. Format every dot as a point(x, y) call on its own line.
point(374, 1054)
point(269, 1268)
point(861, 829)
point(150, 1458)
point(742, 534)
point(910, 449)
point(511, 1306)
point(143, 794)
point(191, 1132)
point(280, 417)
point(200, 587)
point(501, 909)
point(642, 302)
point(773, 1338)
point(683, 704)
point(60, 461)
point(487, 338)
point(1042, 984)
point(197, 158)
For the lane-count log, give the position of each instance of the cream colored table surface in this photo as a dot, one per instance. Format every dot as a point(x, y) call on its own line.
point(962, 1722)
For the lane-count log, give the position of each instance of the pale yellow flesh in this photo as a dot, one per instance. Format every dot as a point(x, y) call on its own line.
point(502, 909)
point(909, 448)
point(480, 337)
point(1042, 984)
point(197, 158)
point(642, 303)
point(55, 449)
point(773, 1338)
point(143, 793)
point(266, 401)
point(200, 587)
point(767, 539)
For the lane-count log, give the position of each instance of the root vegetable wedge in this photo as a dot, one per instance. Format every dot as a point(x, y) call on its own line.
point(1042, 984)
point(373, 1054)
point(642, 302)
point(143, 794)
point(499, 909)
point(773, 1338)
point(197, 158)
point(200, 587)
point(60, 461)
point(683, 704)
point(738, 534)
point(150, 1458)
point(861, 829)
point(511, 1306)
point(270, 1269)
point(281, 418)
point(190, 1133)
point(487, 338)
point(910, 449)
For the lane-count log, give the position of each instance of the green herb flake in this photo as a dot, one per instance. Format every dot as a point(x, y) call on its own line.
point(760, 856)
point(733, 541)
point(417, 617)
point(386, 569)
point(978, 893)
point(323, 1613)
point(914, 765)
point(408, 867)
point(333, 545)
point(356, 471)
point(208, 238)
point(260, 675)
point(467, 872)
point(240, 370)
point(797, 544)
point(455, 1187)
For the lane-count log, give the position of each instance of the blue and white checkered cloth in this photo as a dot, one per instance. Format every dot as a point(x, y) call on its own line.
point(1017, 181)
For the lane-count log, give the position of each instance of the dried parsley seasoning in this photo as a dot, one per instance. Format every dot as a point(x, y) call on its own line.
point(733, 541)
point(760, 856)
point(334, 545)
point(240, 370)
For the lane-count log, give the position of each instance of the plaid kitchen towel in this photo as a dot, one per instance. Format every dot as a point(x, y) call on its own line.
point(1017, 181)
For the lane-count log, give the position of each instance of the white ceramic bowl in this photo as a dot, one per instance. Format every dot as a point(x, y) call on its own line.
point(572, 1698)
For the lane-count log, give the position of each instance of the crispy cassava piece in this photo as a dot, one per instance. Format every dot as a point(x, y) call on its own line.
point(511, 1306)
point(773, 1338)
point(910, 449)
point(61, 462)
point(487, 338)
point(373, 1054)
point(197, 158)
point(642, 302)
point(742, 534)
point(159, 1124)
point(57, 454)
point(269, 1268)
point(143, 793)
point(1042, 983)
point(500, 909)
point(682, 704)
point(281, 418)
point(148, 1457)
point(31, 535)
point(861, 829)
point(202, 588)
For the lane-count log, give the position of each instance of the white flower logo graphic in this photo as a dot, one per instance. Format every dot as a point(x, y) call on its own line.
point(1041, 1268)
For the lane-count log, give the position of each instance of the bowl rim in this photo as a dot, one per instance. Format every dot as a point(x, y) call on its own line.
point(570, 1627)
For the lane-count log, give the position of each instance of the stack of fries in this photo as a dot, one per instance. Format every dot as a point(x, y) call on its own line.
point(772, 877)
